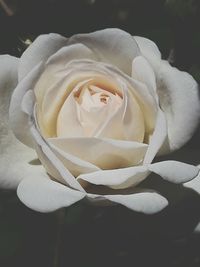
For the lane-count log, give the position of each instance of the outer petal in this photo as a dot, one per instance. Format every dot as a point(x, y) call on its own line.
point(158, 137)
point(145, 202)
point(43, 47)
point(17, 161)
point(178, 95)
point(175, 171)
point(71, 52)
point(112, 46)
point(179, 99)
point(44, 195)
point(149, 50)
point(19, 120)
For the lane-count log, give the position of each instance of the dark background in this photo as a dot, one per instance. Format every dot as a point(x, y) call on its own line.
point(86, 236)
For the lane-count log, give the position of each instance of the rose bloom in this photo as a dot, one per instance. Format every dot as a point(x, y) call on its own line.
point(97, 108)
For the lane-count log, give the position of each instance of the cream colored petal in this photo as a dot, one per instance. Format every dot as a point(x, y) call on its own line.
point(89, 121)
point(54, 88)
point(56, 68)
point(68, 124)
point(43, 47)
point(111, 126)
point(52, 163)
point(117, 178)
point(142, 71)
point(58, 91)
point(73, 163)
point(157, 139)
point(76, 51)
point(149, 50)
point(113, 46)
point(133, 120)
point(147, 102)
point(104, 153)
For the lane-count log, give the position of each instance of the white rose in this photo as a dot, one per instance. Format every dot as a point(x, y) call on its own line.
point(97, 108)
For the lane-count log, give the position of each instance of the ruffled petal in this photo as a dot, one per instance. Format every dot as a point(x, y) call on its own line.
point(108, 43)
point(44, 195)
point(179, 99)
point(43, 47)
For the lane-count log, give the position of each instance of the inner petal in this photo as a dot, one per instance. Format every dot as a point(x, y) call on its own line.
point(95, 99)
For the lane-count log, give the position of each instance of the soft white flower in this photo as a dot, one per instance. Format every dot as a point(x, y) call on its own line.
point(97, 108)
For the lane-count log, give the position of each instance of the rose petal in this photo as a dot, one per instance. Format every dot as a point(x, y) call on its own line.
point(17, 160)
point(104, 153)
point(43, 47)
point(145, 202)
point(178, 95)
point(149, 50)
point(179, 99)
point(108, 43)
point(118, 178)
point(141, 93)
point(74, 164)
point(126, 123)
point(54, 89)
point(142, 71)
point(44, 195)
point(147, 104)
point(52, 163)
point(133, 120)
point(18, 119)
point(175, 171)
point(172, 171)
point(157, 139)
point(68, 53)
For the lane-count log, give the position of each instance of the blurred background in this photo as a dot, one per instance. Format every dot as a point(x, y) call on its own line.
point(86, 236)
